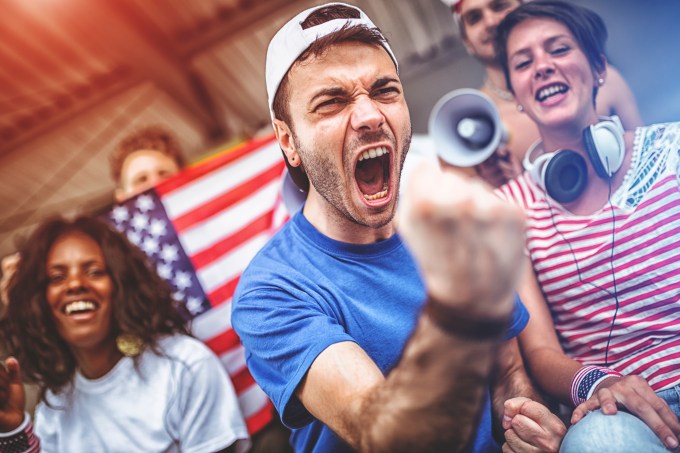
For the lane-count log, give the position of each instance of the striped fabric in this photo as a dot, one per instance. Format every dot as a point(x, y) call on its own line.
point(622, 262)
point(201, 228)
point(21, 440)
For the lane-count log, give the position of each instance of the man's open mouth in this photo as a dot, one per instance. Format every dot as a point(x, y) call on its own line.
point(372, 173)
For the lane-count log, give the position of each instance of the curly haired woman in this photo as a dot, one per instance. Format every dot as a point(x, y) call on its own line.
point(95, 327)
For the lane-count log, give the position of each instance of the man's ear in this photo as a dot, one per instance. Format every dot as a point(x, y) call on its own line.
point(286, 142)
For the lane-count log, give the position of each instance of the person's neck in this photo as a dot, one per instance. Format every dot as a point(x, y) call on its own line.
point(566, 136)
point(494, 83)
point(95, 363)
point(335, 224)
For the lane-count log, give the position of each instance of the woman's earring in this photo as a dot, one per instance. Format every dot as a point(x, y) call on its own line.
point(129, 345)
point(520, 108)
point(600, 81)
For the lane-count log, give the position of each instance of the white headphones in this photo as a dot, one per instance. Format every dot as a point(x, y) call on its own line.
point(563, 174)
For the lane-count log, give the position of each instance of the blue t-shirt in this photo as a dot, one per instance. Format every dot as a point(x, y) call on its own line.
point(304, 292)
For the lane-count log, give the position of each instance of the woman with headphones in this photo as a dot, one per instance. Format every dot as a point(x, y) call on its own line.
point(603, 221)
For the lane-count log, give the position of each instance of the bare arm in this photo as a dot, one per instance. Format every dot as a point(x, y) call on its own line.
point(432, 399)
point(546, 362)
point(511, 379)
point(527, 423)
point(554, 372)
point(430, 402)
point(616, 98)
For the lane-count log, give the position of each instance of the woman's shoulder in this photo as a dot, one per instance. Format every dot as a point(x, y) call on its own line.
point(184, 348)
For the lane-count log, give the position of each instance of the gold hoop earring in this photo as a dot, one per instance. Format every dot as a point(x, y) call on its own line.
point(129, 345)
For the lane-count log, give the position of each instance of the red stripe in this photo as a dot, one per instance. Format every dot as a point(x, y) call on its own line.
point(223, 342)
point(588, 301)
point(648, 352)
point(224, 292)
point(221, 248)
point(227, 199)
point(635, 264)
point(669, 382)
point(242, 380)
point(203, 168)
point(604, 261)
point(260, 419)
point(655, 221)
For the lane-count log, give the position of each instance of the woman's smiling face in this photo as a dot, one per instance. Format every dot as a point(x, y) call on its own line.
point(79, 292)
point(550, 74)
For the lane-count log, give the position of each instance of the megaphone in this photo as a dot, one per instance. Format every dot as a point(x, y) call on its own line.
point(293, 196)
point(466, 127)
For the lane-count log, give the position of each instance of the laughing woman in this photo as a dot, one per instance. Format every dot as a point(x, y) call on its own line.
point(603, 221)
point(90, 322)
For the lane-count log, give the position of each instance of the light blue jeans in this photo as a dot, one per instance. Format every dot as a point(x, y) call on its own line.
point(620, 433)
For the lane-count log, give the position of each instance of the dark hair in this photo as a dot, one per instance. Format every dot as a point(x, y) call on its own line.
point(153, 138)
point(141, 301)
point(354, 33)
point(585, 25)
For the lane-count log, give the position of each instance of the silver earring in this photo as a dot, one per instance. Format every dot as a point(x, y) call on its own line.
point(600, 81)
point(520, 108)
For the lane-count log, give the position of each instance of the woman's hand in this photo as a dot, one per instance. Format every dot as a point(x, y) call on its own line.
point(12, 396)
point(500, 168)
point(635, 394)
point(531, 427)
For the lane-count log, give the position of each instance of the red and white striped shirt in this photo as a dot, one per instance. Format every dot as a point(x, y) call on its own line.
point(621, 263)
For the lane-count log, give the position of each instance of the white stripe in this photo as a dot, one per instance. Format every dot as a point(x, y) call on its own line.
point(252, 400)
point(234, 360)
point(213, 322)
point(224, 179)
point(232, 264)
point(203, 235)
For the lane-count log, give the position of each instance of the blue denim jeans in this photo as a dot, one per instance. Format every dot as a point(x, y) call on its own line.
point(620, 433)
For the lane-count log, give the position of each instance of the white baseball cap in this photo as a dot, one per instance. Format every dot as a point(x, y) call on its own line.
point(292, 40)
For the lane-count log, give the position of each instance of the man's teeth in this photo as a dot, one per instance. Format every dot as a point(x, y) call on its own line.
point(375, 196)
point(78, 306)
point(551, 90)
point(374, 152)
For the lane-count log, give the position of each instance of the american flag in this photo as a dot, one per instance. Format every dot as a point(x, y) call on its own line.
point(200, 228)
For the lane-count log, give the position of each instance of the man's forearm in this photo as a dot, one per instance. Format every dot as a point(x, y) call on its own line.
point(432, 400)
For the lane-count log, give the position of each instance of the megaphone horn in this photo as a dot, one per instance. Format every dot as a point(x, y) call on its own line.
point(466, 127)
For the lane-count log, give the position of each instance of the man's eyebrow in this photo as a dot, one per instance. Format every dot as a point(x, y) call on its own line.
point(330, 91)
point(381, 82)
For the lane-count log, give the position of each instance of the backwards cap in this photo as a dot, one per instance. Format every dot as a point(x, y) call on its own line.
point(291, 41)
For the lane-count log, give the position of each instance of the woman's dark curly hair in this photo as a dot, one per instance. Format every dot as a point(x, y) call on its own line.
point(141, 301)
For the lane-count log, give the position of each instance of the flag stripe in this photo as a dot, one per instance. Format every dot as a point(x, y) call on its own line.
point(213, 185)
point(201, 228)
point(226, 200)
point(259, 225)
point(213, 164)
point(203, 236)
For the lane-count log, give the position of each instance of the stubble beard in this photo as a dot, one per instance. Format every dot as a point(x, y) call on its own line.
point(328, 181)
